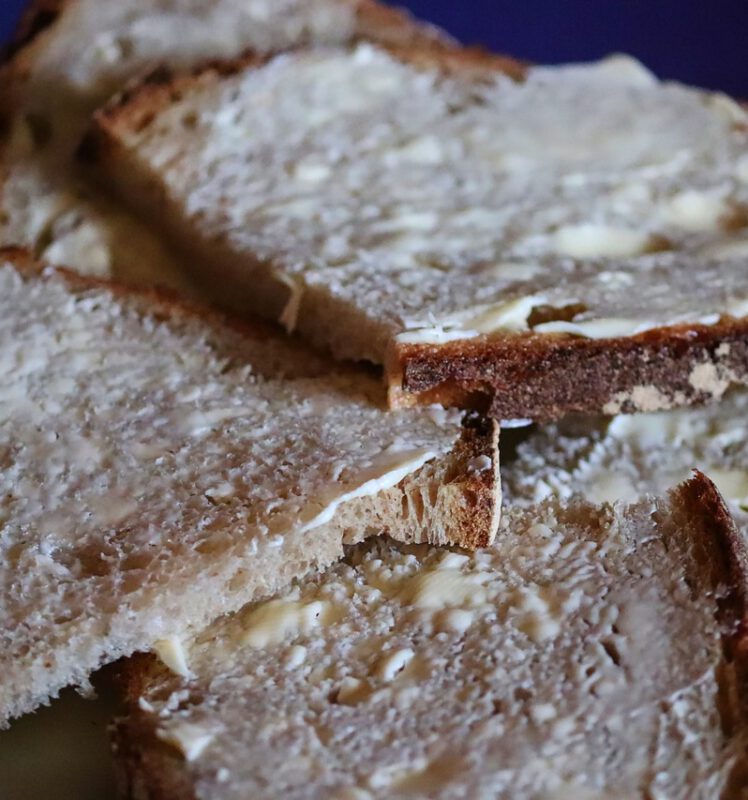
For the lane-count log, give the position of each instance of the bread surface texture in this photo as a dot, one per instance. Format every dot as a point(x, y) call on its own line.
point(160, 467)
point(71, 56)
point(625, 458)
point(592, 651)
point(484, 230)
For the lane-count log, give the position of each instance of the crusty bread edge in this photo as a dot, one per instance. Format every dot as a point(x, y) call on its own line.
point(703, 501)
point(726, 557)
point(474, 498)
point(547, 376)
point(37, 17)
point(374, 21)
point(137, 105)
point(146, 768)
point(160, 301)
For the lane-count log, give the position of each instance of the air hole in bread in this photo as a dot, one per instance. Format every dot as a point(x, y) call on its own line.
point(190, 120)
point(471, 499)
point(417, 506)
point(611, 650)
point(125, 48)
point(522, 695)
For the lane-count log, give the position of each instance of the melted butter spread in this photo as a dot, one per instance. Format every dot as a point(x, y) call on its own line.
point(443, 588)
point(173, 655)
point(278, 620)
point(386, 471)
point(190, 739)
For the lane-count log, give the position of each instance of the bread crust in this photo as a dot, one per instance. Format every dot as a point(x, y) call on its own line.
point(374, 21)
point(545, 377)
point(146, 768)
point(136, 106)
point(477, 505)
point(160, 301)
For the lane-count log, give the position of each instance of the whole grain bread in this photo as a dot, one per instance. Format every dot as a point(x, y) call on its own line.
point(496, 236)
point(160, 467)
point(72, 55)
point(591, 652)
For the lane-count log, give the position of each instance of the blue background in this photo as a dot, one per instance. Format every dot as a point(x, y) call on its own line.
point(704, 42)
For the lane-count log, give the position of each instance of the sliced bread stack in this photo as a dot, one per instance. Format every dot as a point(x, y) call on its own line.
point(72, 55)
point(160, 468)
point(491, 236)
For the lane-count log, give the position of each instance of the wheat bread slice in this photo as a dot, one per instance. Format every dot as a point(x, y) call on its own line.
point(70, 56)
point(591, 652)
point(160, 467)
point(493, 235)
point(627, 457)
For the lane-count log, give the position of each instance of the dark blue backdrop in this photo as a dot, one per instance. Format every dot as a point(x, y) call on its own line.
point(703, 42)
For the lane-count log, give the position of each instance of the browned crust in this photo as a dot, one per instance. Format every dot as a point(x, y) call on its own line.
point(137, 106)
point(723, 554)
point(146, 767)
point(17, 57)
point(545, 377)
point(476, 506)
point(160, 302)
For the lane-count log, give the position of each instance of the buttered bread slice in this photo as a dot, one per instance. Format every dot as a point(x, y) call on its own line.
point(541, 240)
point(159, 468)
point(591, 652)
point(72, 55)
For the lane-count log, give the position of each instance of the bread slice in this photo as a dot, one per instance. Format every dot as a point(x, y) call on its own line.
point(628, 457)
point(160, 468)
point(492, 235)
point(591, 652)
point(71, 55)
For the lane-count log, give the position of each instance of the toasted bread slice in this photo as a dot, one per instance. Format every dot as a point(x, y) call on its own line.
point(71, 55)
point(160, 467)
point(493, 235)
point(628, 457)
point(592, 651)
